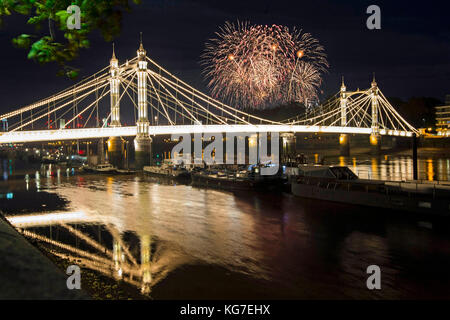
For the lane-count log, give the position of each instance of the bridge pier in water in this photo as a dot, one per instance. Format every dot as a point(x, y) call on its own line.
point(288, 147)
point(101, 150)
point(375, 144)
point(344, 145)
point(142, 151)
point(116, 151)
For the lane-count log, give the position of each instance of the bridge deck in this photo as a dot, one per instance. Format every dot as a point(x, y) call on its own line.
point(92, 133)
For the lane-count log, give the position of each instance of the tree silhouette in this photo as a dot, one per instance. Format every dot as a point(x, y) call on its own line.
point(53, 41)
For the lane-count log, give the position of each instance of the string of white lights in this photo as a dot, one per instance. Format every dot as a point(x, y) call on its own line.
point(219, 105)
point(207, 112)
point(172, 85)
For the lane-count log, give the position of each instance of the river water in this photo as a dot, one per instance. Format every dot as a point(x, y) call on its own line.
point(177, 241)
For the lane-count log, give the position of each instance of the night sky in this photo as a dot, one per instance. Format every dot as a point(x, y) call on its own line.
point(410, 54)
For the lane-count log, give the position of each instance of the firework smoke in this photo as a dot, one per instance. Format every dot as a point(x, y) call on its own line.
point(255, 66)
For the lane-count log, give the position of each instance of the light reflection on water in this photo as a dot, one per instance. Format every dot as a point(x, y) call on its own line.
point(385, 167)
point(396, 168)
point(141, 230)
point(204, 225)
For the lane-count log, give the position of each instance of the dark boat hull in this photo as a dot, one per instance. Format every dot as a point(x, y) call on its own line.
point(237, 184)
point(185, 176)
point(402, 202)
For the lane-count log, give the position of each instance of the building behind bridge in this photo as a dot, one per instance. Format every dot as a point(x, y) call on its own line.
point(443, 118)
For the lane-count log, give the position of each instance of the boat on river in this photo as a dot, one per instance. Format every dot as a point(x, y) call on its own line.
point(340, 184)
point(100, 168)
point(168, 169)
point(249, 179)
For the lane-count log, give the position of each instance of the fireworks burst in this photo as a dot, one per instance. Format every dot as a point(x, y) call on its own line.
point(255, 66)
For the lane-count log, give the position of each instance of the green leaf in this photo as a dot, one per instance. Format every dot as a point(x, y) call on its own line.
point(22, 9)
point(4, 11)
point(35, 20)
point(72, 74)
point(85, 43)
point(22, 41)
point(62, 16)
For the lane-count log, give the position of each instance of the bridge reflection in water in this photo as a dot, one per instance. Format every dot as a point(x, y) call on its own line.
point(117, 228)
point(97, 247)
point(143, 231)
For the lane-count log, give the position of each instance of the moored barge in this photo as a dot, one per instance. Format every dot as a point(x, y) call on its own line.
point(340, 184)
point(169, 170)
point(249, 179)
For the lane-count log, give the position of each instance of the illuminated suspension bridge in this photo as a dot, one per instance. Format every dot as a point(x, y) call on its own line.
point(164, 104)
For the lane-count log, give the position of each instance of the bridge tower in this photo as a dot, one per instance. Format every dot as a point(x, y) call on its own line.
point(115, 144)
point(142, 142)
point(344, 139)
point(375, 137)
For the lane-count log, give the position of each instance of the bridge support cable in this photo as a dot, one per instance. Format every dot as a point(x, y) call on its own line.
point(180, 90)
point(85, 109)
point(177, 100)
point(30, 117)
point(97, 99)
point(81, 100)
point(169, 96)
point(153, 95)
point(192, 100)
point(311, 114)
point(363, 109)
point(181, 85)
point(43, 112)
point(358, 111)
point(133, 88)
point(50, 103)
point(60, 107)
point(386, 112)
point(159, 99)
point(308, 118)
point(61, 95)
point(398, 116)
